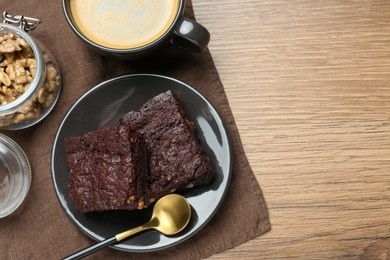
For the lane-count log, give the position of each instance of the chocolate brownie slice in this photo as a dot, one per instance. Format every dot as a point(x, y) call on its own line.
point(108, 167)
point(175, 158)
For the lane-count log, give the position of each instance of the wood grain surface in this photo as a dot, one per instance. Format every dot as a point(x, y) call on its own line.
point(309, 86)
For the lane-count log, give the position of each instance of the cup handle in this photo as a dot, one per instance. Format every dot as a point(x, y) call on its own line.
point(190, 35)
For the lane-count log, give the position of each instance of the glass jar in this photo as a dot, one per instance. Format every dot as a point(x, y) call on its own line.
point(15, 176)
point(30, 79)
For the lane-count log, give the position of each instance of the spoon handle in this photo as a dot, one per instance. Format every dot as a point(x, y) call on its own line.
point(89, 250)
point(125, 234)
point(110, 241)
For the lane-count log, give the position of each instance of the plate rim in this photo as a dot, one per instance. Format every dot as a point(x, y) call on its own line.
point(227, 175)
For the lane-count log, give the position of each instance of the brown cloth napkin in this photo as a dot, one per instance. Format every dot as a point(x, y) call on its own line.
point(40, 229)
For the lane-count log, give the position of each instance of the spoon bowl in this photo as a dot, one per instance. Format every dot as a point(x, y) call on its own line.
point(171, 214)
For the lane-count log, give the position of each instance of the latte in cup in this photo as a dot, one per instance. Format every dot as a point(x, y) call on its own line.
point(123, 24)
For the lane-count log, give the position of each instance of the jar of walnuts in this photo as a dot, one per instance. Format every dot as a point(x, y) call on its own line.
point(30, 79)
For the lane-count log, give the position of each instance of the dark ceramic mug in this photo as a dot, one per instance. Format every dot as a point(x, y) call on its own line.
point(133, 29)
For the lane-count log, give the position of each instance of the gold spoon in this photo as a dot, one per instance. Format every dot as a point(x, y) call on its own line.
point(171, 215)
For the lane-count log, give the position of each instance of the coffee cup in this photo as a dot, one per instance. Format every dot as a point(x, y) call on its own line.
point(128, 29)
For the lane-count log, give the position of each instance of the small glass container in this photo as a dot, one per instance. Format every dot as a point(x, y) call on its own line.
point(15, 176)
point(30, 79)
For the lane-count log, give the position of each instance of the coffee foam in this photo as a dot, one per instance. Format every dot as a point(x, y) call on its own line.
point(123, 24)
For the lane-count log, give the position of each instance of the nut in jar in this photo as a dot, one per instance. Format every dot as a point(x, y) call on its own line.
point(29, 76)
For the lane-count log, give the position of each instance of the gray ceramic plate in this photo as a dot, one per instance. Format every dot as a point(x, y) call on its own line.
point(103, 106)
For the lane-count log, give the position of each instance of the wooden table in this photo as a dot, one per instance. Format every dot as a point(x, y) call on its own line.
point(309, 86)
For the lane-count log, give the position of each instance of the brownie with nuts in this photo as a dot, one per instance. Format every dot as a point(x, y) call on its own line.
point(176, 160)
point(107, 169)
